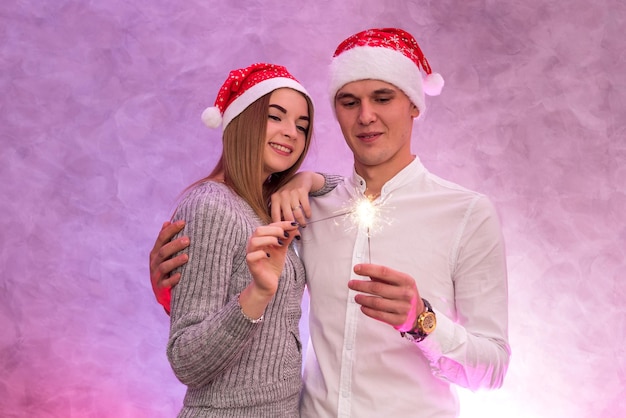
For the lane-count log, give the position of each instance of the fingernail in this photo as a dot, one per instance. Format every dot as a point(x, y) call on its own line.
point(280, 242)
point(294, 223)
point(267, 254)
point(298, 237)
point(286, 234)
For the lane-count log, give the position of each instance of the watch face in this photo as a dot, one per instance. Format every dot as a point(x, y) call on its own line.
point(427, 322)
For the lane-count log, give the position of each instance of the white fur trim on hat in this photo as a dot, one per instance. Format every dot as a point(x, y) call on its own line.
point(377, 63)
point(257, 91)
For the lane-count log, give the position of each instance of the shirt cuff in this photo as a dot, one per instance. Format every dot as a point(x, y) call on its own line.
point(443, 339)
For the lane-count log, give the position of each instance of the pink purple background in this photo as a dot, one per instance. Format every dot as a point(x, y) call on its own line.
point(100, 130)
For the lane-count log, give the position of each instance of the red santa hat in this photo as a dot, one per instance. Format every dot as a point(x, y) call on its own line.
point(391, 55)
point(243, 87)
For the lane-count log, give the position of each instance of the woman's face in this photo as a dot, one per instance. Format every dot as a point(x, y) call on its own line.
point(287, 127)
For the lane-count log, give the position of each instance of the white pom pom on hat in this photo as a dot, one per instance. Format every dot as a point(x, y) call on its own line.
point(243, 87)
point(391, 55)
point(212, 117)
point(433, 84)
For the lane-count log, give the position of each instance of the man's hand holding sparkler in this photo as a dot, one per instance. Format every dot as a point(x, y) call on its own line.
point(389, 296)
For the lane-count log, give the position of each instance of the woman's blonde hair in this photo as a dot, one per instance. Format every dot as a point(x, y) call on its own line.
point(242, 157)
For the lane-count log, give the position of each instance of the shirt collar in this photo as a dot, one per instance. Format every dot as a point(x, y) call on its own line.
point(406, 175)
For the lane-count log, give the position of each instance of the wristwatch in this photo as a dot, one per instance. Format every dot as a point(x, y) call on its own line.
point(425, 324)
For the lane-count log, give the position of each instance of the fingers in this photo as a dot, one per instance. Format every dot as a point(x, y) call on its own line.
point(168, 231)
point(291, 205)
point(162, 271)
point(297, 213)
point(170, 281)
point(267, 252)
point(384, 274)
point(395, 319)
point(266, 238)
point(299, 203)
point(385, 290)
point(170, 249)
point(281, 206)
point(161, 261)
point(297, 208)
point(384, 306)
point(305, 208)
point(389, 296)
point(163, 248)
point(399, 313)
point(384, 283)
point(275, 209)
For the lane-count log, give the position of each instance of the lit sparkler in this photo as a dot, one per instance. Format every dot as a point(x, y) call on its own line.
point(364, 213)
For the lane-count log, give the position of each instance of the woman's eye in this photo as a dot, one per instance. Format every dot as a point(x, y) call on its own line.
point(304, 129)
point(276, 118)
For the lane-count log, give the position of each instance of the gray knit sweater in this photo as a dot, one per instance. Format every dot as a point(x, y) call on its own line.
point(232, 367)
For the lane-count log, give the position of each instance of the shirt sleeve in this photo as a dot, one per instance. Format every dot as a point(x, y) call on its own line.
point(208, 332)
point(472, 351)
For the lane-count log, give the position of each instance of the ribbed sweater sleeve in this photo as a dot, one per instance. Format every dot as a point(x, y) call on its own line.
point(330, 182)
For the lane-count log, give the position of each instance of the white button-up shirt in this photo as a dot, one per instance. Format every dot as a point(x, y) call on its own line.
point(449, 240)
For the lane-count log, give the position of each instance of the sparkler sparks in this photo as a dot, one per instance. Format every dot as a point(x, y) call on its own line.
point(364, 213)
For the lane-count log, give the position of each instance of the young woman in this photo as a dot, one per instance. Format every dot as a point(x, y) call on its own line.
point(234, 338)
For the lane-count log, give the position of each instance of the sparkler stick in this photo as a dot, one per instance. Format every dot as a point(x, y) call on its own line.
point(365, 214)
point(347, 212)
point(369, 247)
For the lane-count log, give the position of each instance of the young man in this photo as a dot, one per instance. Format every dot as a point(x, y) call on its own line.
point(402, 310)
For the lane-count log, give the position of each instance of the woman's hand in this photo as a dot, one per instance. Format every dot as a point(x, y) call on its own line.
point(291, 202)
point(266, 254)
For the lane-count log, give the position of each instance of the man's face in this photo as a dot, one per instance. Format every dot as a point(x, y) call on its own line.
point(376, 119)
